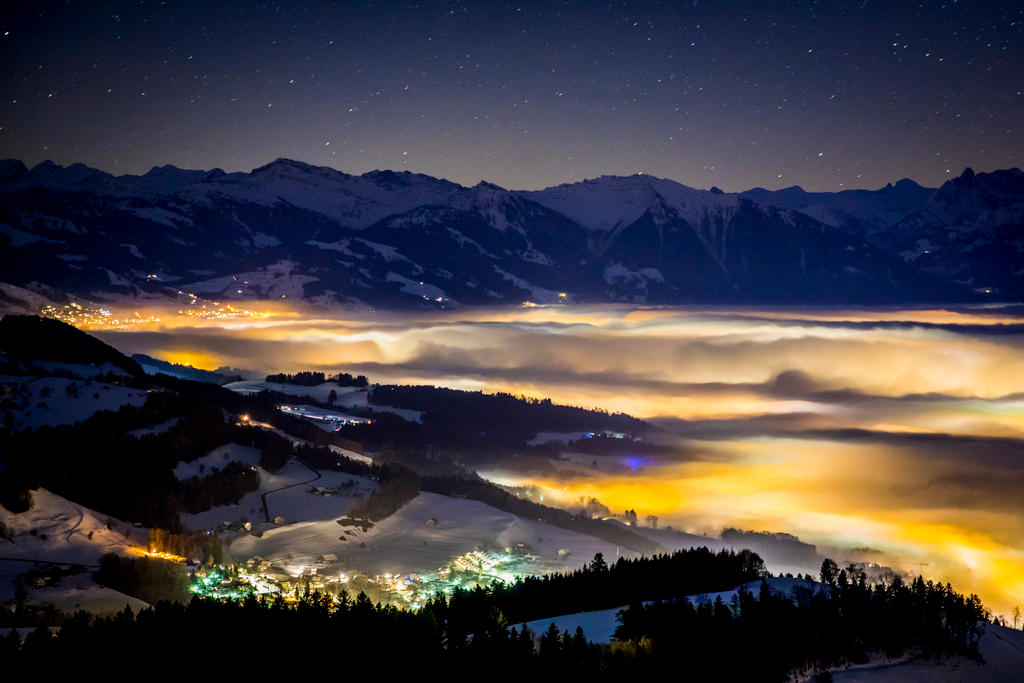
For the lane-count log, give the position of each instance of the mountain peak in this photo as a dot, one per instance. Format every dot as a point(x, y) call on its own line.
point(484, 185)
point(11, 170)
point(46, 166)
point(158, 171)
point(282, 164)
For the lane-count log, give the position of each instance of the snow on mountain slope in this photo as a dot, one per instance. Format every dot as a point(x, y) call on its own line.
point(280, 280)
point(612, 202)
point(967, 204)
point(293, 230)
point(970, 230)
point(859, 212)
point(355, 201)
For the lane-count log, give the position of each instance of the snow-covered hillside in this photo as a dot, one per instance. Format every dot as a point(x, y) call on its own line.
point(40, 401)
point(347, 397)
point(405, 542)
point(599, 626)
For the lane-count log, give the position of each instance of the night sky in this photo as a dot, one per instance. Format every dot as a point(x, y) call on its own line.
point(827, 95)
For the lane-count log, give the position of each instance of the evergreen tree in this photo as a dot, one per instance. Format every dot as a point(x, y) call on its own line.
point(829, 572)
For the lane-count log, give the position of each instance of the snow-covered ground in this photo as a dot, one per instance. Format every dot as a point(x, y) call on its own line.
point(778, 557)
point(292, 493)
point(672, 540)
point(67, 533)
point(80, 592)
point(555, 437)
point(1002, 649)
point(348, 397)
point(320, 392)
point(55, 400)
point(404, 542)
point(328, 420)
point(155, 429)
point(216, 460)
point(599, 626)
point(359, 399)
point(351, 455)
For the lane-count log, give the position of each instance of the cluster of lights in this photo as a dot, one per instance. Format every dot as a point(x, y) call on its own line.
point(161, 555)
point(156, 554)
point(475, 568)
point(213, 310)
point(89, 317)
point(93, 317)
point(409, 591)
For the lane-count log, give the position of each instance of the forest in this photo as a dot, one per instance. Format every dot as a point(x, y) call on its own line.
point(501, 418)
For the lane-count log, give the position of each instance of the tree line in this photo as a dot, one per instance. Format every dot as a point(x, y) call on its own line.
point(847, 622)
point(309, 378)
point(767, 637)
point(99, 464)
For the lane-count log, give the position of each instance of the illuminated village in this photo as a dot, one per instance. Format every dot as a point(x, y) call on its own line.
point(89, 316)
point(268, 578)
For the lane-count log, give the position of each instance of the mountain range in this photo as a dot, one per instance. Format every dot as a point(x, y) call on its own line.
point(386, 239)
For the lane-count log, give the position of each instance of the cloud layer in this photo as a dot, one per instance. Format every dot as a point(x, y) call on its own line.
point(899, 430)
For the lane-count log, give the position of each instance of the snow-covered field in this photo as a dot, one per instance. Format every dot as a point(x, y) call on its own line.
point(55, 400)
point(404, 542)
point(67, 533)
point(347, 397)
point(320, 392)
point(599, 626)
point(292, 493)
point(80, 592)
point(328, 420)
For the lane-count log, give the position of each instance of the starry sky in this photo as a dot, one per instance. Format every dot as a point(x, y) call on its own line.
point(827, 95)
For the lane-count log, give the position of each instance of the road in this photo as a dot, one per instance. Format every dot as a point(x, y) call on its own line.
point(263, 498)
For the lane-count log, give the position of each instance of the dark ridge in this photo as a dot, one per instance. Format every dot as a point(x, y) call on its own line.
point(30, 337)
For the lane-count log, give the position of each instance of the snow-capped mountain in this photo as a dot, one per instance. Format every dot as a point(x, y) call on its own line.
point(970, 230)
point(858, 212)
point(611, 203)
point(292, 230)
